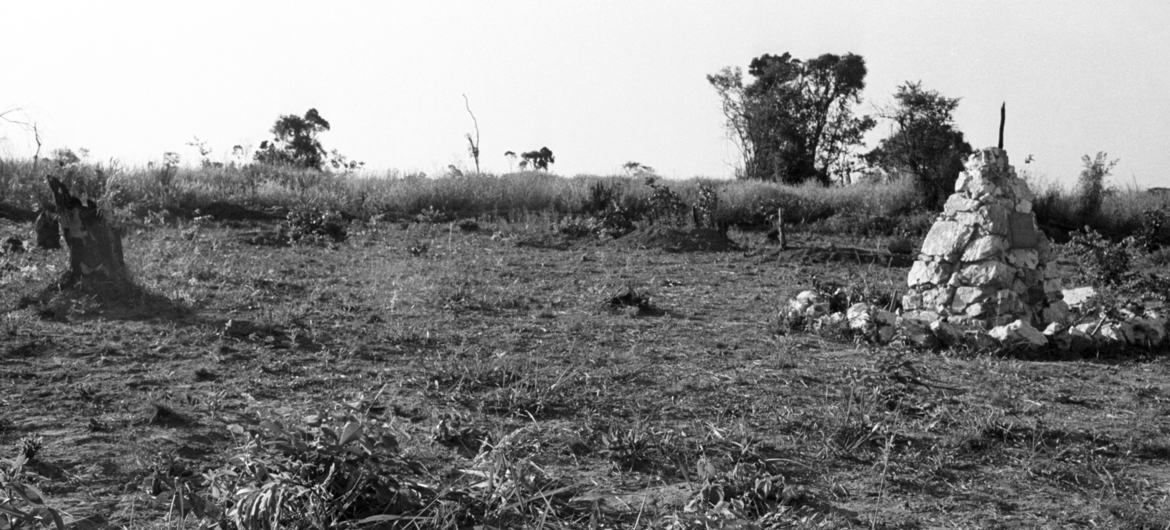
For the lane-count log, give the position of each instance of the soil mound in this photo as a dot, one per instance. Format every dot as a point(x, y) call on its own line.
point(680, 240)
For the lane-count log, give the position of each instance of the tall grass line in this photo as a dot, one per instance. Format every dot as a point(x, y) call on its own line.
point(137, 191)
point(180, 190)
point(1121, 212)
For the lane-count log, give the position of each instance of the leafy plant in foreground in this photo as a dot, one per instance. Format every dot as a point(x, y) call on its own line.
point(316, 477)
point(1106, 262)
point(310, 224)
point(22, 505)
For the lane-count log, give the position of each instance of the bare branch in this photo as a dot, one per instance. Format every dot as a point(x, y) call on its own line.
point(474, 145)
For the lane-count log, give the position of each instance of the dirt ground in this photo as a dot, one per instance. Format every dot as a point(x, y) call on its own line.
point(652, 416)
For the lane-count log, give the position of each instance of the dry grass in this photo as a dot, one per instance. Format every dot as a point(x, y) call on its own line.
point(495, 384)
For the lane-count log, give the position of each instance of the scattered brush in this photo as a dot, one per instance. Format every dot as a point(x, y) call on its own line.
point(640, 302)
point(418, 249)
point(310, 225)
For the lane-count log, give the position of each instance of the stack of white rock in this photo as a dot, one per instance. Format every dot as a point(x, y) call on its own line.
point(983, 261)
point(982, 274)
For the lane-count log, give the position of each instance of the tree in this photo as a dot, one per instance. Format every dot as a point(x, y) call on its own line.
point(295, 141)
point(924, 142)
point(1091, 184)
point(795, 120)
point(472, 144)
point(537, 159)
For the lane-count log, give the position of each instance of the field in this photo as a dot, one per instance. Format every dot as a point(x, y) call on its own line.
point(501, 375)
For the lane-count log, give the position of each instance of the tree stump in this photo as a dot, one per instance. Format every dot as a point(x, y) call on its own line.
point(48, 231)
point(780, 235)
point(95, 247)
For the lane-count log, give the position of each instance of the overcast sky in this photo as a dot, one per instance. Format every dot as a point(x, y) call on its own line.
point(599, 82)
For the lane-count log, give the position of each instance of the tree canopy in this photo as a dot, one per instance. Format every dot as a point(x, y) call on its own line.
point(295, 141)
point(795, 121)
point(924, 142)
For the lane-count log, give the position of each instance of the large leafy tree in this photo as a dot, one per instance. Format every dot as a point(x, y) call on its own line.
point(295, 141)
point(795, 121)
point(924, 142)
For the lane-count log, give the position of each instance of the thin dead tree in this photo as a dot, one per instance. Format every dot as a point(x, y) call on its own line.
point(473, 145)
point(11, 211)
point(30, 126)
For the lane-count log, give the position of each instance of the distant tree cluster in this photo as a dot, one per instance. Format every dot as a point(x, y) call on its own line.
point(537, 160)
point(795, 122)
point(295, 143)
point(924, 142)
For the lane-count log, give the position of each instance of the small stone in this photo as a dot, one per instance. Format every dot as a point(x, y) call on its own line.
point(817, 310)
point(990, 218)
point(1115, 332)
point(912, 301)
point(937, 299)
point(1021, 192)
point(947, 333)
point(967, 295)
point(829, 321)
point(808, 297)
point(1077, 297)
point(1018, 333)
point(985, 247)
point(885, 334)
point(979, 339)
point(1087, 329)
point(974, 184)
point(927, 273)
point(958, 203)
point(859, 316)
point(987, 273)
point(947, 239)
point(1022, 258)
point(920, 316)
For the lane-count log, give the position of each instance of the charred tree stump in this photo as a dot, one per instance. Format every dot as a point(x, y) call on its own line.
point(95, 247)
point(48, 231)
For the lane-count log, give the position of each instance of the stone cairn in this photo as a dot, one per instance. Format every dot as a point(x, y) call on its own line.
point(983, 262)
point(982, 278)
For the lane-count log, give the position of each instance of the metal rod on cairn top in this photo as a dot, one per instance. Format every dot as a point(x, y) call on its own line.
point(1002, 118)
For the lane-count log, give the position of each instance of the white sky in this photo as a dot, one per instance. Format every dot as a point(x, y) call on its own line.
point(599, 82)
